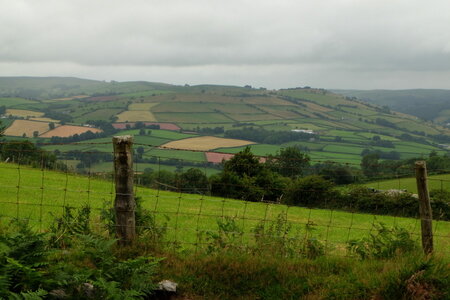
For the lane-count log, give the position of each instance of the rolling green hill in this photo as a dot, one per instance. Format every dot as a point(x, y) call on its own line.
point(428, 104)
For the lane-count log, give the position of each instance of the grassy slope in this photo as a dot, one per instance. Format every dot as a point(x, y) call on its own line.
point(189, 214)
point(435, 182)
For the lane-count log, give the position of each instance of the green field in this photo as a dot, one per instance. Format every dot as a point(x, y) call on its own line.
point(13, 102)
point(40, 196)
point(184, 155)
point(435, 182)
point(192, 117)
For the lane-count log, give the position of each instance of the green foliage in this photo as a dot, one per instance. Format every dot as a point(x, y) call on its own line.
point(227, 237)
point(289, 162)
point(244, 177)
point(418, 278)
point(146, 226)
point(310, 191)
point(69, 224)
point(275, 237)
point(384, 243)
point(31, 267)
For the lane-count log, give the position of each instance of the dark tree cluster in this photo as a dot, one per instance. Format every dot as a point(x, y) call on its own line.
point(261, 135)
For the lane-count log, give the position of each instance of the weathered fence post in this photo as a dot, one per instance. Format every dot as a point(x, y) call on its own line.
point(124, 204)
point(424, 207)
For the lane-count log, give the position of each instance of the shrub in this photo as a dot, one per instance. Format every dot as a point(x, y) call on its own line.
point(310, 191)
point(384, 243)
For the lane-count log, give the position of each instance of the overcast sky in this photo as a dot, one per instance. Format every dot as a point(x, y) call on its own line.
point(362, 44)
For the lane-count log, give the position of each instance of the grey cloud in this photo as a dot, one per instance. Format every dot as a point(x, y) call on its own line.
point(286, 37)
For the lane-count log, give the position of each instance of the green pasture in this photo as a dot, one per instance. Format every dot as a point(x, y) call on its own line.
point(159, 133)
point(192, 117)
point(183, 155)
point(40, 196)
point(435, 182)
point(12, 102)
point(249, 117)
point(172, 107)
point(99, 115)
point(258, 149)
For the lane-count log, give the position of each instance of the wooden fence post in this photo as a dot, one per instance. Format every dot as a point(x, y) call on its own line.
point(424, 207)
point(124, 204)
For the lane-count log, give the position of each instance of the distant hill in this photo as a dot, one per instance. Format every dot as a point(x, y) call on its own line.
point(39, 88)
point(428, 104)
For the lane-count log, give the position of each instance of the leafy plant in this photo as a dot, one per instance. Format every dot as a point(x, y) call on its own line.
point(70, 224)
point(384, 243)
point(228, 236)
point(148, 229)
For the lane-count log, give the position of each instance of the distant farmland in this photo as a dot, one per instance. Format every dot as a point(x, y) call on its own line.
point(68, 130)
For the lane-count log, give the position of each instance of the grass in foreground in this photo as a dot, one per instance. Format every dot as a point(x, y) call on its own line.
point(41, 195)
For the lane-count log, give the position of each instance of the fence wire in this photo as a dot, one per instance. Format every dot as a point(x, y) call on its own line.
point(38, 191)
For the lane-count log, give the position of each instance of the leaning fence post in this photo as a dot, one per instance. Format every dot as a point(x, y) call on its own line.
point(424, 207)
point(124, 204)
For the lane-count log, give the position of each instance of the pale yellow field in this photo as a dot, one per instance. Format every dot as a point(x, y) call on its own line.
point(19, 127)
point(69, 130)
point(45, 120)
point(135, 115)
point(205, 143)
point(24, 113)
point(142, 106)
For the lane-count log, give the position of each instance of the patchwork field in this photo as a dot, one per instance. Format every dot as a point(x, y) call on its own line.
point(165, 126)
point(24, 113)
point(135, 116)
point(21, 127)
point(205, 143)
point(68, 130)
point(192, 117)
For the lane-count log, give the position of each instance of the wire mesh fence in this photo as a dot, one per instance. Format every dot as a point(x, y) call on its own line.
point(37, 189)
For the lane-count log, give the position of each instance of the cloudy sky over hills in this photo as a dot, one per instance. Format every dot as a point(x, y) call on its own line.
point(324, 43)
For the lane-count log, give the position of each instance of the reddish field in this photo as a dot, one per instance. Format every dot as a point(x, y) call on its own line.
point(217, 157)
point(68, 130)
point(165, 126)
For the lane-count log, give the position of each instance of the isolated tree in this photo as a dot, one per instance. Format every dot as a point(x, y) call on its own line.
point(142, 131)
point(51, 125)
point(35, 134)
point(289, 162)
point(243, 163)
point(310, 191)
point(194, 181)
point(370, 165)
point(140, 151)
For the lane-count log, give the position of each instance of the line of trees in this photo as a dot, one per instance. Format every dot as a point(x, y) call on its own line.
point(288, 178)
